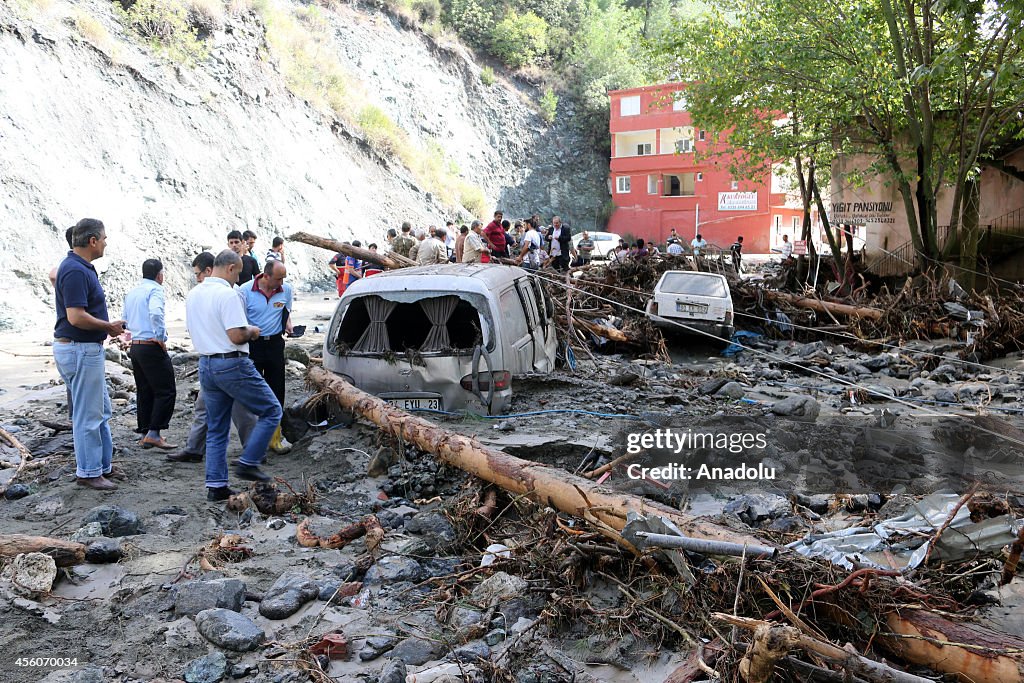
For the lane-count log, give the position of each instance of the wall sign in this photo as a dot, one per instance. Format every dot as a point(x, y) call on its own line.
point(737, 201)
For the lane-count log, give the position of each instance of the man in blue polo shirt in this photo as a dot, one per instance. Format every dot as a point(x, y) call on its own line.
point(268, 305)
point(82, 327)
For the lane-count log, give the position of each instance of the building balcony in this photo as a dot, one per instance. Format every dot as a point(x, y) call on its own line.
point(654, 163)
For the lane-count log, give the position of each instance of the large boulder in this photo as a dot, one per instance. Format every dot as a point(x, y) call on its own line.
point(115, 520)
point(230, 630)
point(195, 596)
point(289, 593)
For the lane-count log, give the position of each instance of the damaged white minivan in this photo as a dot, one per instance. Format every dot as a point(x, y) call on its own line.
point(442, 337)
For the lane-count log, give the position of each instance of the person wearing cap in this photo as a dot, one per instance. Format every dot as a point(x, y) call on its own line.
point(151, 366)
point(268, 306)
point(215, 318)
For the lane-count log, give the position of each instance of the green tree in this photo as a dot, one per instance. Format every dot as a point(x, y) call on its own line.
point(603, 58)
point(519, 39)
point(928, 87)
point(472, 19)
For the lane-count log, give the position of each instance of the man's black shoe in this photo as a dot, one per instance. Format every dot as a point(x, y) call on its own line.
point(250, 473)
point(217, 494)
point(184, 456)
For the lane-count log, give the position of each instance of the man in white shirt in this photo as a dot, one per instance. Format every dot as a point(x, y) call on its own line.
point(432, 250)
point(215, 317)
point(786, 248)
point(698, 243)
point(530, 249)
point(473, 249)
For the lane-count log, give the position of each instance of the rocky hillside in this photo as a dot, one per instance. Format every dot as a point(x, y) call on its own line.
point(171, 154)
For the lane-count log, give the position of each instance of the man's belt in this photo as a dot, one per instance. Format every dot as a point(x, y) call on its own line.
point(268, 337)
point(136, 342)
point(63, 340)
point(233, 354)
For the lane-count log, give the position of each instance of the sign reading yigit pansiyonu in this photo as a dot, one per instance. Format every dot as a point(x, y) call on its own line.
point(737, 201)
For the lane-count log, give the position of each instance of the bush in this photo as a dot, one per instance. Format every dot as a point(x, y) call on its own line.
point(303, 49)
point(519, 39)
point(381, 132)
point(165, 23)
point(472, 197)
point(548, 105)
point(94, 32)
point(487, 76)
point(428, 11)
point(472, 18)
point(206, 16)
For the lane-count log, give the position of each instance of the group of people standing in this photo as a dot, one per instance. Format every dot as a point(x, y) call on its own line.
point(237, 316)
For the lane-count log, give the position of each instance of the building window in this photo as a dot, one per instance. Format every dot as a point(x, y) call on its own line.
point(796, 224)
point(778, 223)
point(643, 149)
point(700, 177)
point(629, 106)
point(622, 184)
point(652, 184)
point(701, 136)
point(684, 145)
point(677, 185)
point(735, 185)
point(679, 104)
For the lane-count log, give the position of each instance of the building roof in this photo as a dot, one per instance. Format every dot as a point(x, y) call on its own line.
point(657, 87)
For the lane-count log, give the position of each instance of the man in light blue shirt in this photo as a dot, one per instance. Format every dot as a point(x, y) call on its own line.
point(154, 374)
point(268, 305)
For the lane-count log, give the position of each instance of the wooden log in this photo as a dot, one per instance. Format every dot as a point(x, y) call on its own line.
point(389, 261)
point(827, 306)
point(25, 454)
point(972, 652)
point(868, 669)
point(545, 485)
point(600, 330)
point(64, 553)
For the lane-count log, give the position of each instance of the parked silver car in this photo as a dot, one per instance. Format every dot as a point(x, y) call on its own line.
point(442, 337)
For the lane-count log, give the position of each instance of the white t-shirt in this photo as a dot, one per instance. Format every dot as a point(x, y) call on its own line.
point(787, 249)
point(556, 247)
point(211, 309)
point(697, 245)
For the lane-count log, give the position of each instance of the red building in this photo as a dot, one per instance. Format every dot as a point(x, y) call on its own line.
point(664, 175)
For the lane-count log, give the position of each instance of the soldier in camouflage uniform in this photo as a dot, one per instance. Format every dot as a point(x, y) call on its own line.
point(405, 243)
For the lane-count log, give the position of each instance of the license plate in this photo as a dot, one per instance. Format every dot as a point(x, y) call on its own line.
point(691, 308)
point(416, 403)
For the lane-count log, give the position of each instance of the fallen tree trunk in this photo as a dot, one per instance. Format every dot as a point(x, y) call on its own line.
point(972, 652)
point(388, 261)
point(64, 553)
point(827, 306)
point(545, 485)
point(782, 638)
point(604, 331)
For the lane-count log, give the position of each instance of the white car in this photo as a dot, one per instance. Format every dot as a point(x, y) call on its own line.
point(695, 300)
point(604, 244)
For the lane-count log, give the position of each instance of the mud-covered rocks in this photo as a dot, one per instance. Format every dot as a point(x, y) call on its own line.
point(195, 596)
point(289, 593)
point(229, 630)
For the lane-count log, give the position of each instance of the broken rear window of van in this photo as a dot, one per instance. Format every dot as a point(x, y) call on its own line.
point(437, 324)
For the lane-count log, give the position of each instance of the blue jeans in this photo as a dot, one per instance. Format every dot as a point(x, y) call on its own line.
point(82, 366)
point(224, 381)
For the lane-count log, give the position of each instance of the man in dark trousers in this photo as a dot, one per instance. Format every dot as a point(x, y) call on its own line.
point(268, 305)
point(82, 327)
point(154, 374)
point(560, 238)
point(215, 317)
point(737, 254)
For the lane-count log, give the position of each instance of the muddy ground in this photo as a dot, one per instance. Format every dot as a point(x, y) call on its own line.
point(423, 609)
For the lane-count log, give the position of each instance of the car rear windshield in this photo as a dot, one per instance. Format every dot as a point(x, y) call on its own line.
point(436, 324)
point(694, 284)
